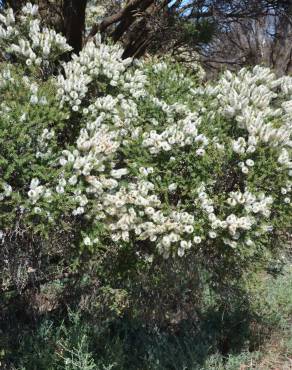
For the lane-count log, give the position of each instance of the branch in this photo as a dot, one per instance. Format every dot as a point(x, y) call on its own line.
point(112, 19)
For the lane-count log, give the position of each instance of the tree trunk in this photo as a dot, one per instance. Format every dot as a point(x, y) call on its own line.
point(74, 21)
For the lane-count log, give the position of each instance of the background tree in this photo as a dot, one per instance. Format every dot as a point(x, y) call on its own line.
point(247, 41)
point(219, 33)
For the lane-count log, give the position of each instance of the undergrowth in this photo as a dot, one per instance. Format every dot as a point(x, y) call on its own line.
point(259, 337)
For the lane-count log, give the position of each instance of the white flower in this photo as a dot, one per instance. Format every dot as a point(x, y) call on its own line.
point(189, 229)
point(87, 241)
point(284, 157)
point(251, 149)
point(172, 187)
point(62, 182)
point(34, 99)
point(43, 100)
point(7, 189)
point(34, 183)
point(78, 211)
point(117, 174)
point(47, 194)
point(32, 193)
point(60, 189)
point(149, 258)
point(149, 211)
point(197, 240)
point(30, 9)
point(249, 162)
point(239, 145)
point(143, 171)
point(180, 252)
point(22, 117)
point(63, 161)
point(209, 209)
point(212, 217)
point(73, 180)
point(200, 152)
point(283, 191)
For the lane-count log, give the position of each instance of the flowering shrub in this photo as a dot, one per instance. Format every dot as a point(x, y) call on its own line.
point(137, 154)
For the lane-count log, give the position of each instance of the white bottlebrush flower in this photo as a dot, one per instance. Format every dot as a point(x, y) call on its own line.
point(244, 170)
point(181, 252)
point(197, 239)
point(117, 174)
point(78, 211)
point(34, 183)
point(37, 210)
point(87, 241)
point(249, 162)
point(73, 180)
point(30, 9)
point(60, 189)
point(34, 99)
point(63, 161)
point(189, 229)
point(7, 189)
point(200, 152)
point(62, 182)
point(172, 187)
point(212, 234)
point(284, 157)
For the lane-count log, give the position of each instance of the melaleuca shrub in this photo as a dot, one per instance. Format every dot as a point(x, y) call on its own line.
point(142, 156)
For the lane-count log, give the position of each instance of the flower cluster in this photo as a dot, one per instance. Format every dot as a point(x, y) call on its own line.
point(6, 190)
point(252, 203)
point(247, 98)
point(35, 190)
point(181, 133)
point(28, 40)
point(97, 61)
point(6, 78)
point(7, 22)
point(44, 143)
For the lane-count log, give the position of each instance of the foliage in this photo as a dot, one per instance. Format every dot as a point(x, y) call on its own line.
point(76, 342)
